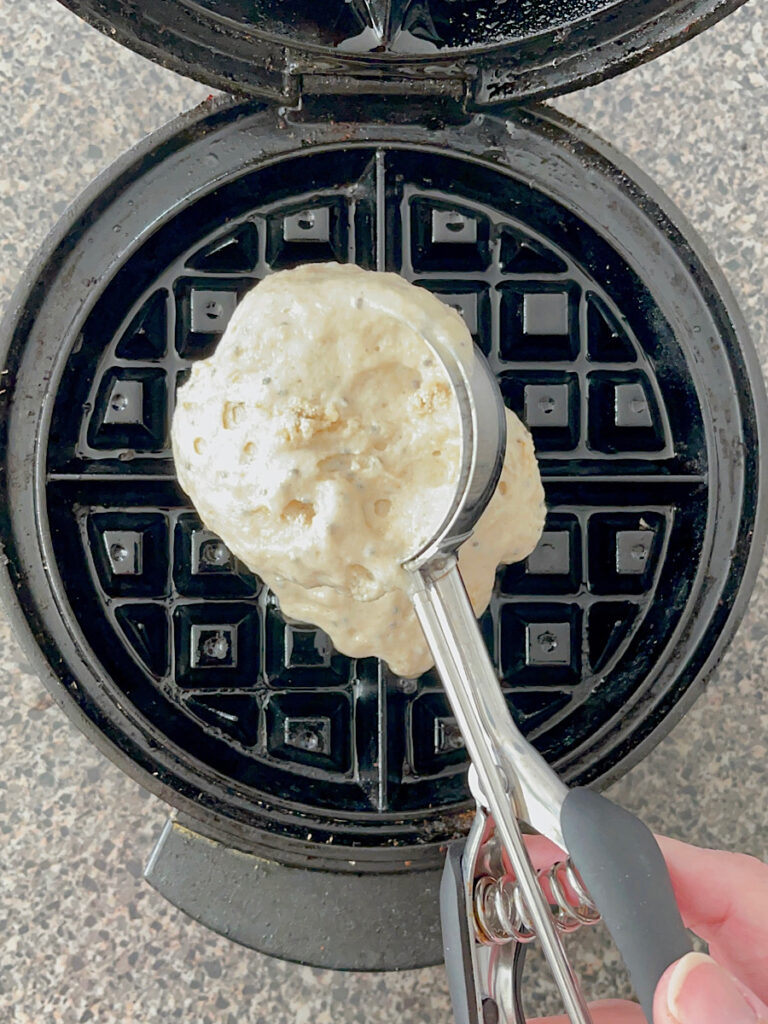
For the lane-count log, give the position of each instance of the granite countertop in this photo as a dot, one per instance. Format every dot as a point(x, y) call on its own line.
point(84, 938)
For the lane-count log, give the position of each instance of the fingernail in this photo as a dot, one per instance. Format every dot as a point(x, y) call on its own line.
point(701, 991)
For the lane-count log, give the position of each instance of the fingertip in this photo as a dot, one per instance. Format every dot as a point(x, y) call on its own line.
point(697, 990)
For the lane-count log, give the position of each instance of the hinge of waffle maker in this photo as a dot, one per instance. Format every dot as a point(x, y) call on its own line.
point(333, 95)
point(322, 84)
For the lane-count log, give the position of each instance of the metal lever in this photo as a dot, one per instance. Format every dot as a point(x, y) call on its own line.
point(536, 793)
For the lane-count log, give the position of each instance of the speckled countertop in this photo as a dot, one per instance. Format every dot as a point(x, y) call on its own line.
point(83, 937)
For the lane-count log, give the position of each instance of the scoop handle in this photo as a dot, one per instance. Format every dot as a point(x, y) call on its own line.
point(500, 755)
point(624, 870)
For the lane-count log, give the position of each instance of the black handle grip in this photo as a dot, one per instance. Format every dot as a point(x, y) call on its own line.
point(624, 870)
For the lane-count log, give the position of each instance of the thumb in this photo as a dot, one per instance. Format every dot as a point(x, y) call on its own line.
point(696, 990)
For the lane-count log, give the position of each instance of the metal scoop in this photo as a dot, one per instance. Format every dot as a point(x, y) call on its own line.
point(616, 855)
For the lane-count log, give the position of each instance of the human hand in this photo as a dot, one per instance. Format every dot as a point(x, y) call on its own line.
point(723, 898)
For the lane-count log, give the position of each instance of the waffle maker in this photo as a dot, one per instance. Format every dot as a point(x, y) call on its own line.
point(315, 796)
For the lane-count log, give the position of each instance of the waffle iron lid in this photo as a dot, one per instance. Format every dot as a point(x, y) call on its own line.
point(489, 51)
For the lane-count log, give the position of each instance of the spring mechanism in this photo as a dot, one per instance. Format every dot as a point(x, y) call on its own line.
point(501, 914)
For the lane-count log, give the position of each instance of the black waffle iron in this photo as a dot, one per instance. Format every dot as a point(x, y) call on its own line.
point(315, 795)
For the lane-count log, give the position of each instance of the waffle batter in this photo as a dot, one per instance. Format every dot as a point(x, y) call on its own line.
point(321, 443)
